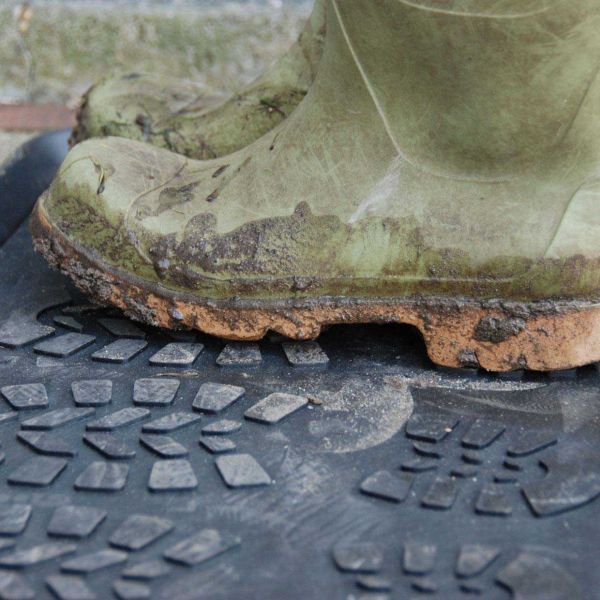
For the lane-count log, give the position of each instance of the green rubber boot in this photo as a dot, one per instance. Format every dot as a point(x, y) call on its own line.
point(179, 116)
point(442, 171)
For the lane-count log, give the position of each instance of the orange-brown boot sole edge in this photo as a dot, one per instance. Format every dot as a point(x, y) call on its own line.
point(462, 333)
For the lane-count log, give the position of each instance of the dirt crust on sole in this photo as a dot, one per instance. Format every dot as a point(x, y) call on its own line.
point(493, 335)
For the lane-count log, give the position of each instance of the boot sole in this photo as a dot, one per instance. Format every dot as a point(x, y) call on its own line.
point(494, 335)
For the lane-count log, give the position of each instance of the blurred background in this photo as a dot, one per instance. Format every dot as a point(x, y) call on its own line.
point(51, 51)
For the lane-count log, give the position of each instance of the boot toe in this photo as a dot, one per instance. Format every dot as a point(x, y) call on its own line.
point(96, 189)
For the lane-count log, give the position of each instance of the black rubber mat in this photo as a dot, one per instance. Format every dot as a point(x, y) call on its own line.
point(25, 176)
point(140, 463)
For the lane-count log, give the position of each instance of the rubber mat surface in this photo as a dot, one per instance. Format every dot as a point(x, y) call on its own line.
point(139, 463)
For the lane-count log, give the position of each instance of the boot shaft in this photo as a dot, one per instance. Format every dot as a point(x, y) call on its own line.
point(473, 89)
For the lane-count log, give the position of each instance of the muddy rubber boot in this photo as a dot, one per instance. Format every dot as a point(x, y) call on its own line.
point(182, 117)
point(441, 172)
